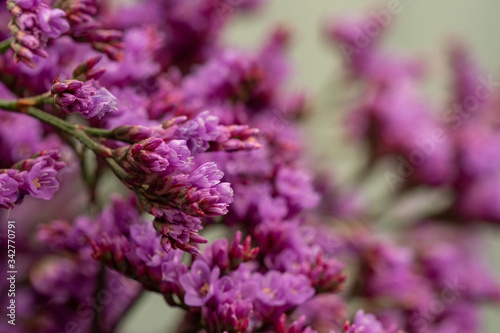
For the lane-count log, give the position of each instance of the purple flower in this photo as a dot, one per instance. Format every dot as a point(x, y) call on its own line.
point(153, 156)
point(239, 253)
point(467, 81)
point(221, 77)
point(324, 310)
point(132, 108)
point(80, 14)
point(34, 176)
point(236, 315)
point(271, 288)
point(205, 176)
point(364, 323)
point(226, 290)
point(32, 25)
point(297, 289)
point(140, 45)
point(296, 185)
point(85, 28)
point(83, 97)
point(104, 102)
point(390, 274)
point(216, 254)
point(147, 240)
point(180, 232)
point(297, 326)
point(49, 158)
point(56, 278)
point(40, 181)
point(28, 21)
point(390, 131)
point(368, 322)
point(197, 194)
point(273, 58)
point(52, 21)
point(28, 4)
point(198, 283)
point(173, 269)
point(213, 201)
point(480, 200)
point(449, 256)
point(199, 131)
point(8, 190)
point(477, 155)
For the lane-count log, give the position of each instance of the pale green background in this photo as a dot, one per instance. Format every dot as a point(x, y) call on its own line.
point(423, 26)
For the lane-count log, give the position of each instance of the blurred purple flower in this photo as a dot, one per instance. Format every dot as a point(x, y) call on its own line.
point(199, 283)
point(83, 98)
point(53, 22)
point(8, 190)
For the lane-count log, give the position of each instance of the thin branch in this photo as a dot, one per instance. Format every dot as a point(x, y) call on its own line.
point(98, 132)
point(5, 45)
point(73, 130)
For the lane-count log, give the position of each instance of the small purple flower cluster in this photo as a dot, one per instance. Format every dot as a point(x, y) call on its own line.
point(83, 98)
point(159, 171)
point(84, 27)
point(222, 285)
point(33, 23)
point(206, 137)
point(35, 177)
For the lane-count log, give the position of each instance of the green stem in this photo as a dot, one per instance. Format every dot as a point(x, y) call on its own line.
point(60, 124)
point(5, 45)
point(42, 99)
point(98, 132)
point(9, 105)
point(47, 98)
point(117, 169)
point(70, 129)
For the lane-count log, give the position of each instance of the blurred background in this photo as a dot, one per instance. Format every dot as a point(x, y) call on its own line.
point(423, 27)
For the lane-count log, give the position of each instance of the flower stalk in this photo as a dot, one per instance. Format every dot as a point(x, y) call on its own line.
point(76, 131)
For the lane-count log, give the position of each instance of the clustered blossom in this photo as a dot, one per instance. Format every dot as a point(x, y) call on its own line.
point(32, 24)
point(179, 201)
point(153, 156)
point(83, 98)
point(203, 132)
point(35, 177)
point(8, 190)
point(223, 279)
point(159, 173)
point(206, 139)
point(84, 27)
